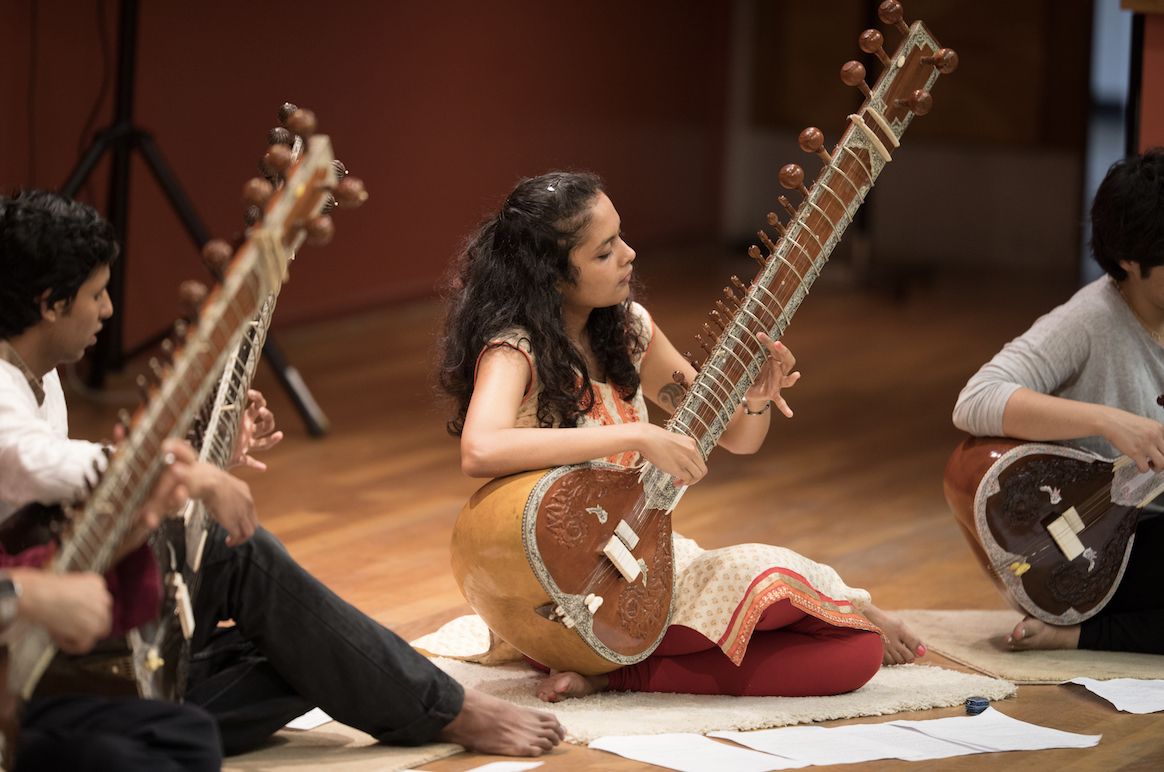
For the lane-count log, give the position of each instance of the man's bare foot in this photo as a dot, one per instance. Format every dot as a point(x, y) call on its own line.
point(901, 645)
point(487, 724)
point(1031, 634)
point(563, 685)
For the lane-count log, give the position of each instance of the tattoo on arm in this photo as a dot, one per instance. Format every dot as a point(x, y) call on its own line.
point(670, 396)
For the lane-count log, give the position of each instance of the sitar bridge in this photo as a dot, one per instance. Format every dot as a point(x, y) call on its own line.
point(1064, 530)
point(618, 551)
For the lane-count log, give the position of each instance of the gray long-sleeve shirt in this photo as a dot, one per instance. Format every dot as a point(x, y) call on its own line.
point(1090, 349)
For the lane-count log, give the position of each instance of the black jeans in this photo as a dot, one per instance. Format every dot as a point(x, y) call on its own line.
point(100, 734)
point(296, 645)
point(1133, 620)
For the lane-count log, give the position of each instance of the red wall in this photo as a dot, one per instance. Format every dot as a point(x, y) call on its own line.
point(440, 107)
point(1152, 89)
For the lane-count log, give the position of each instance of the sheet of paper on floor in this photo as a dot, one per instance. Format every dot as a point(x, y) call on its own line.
point(850, 744)
point(691, 753)
point(1131, 695)
point(309, 720)
point(995, 731)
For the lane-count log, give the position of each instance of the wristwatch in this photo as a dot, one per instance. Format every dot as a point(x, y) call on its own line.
point(9, 600)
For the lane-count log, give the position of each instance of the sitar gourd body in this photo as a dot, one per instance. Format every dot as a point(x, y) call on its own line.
point(1053, 526)
point(528, 553)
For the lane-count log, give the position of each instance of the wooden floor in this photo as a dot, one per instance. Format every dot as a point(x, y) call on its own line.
point(854, 480)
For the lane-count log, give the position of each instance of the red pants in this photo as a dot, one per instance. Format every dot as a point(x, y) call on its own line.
point(790, 654)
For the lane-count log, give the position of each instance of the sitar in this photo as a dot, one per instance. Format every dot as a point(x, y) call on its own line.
point(1052, 525)
point(180, 542)
point(573, 566)
point(94, 531)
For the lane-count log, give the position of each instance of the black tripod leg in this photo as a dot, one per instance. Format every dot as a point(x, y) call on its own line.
point(103, 142)
point(168, 182)
point(317, 423)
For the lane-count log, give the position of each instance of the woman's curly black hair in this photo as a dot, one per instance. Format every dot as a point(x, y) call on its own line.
point(509, 275)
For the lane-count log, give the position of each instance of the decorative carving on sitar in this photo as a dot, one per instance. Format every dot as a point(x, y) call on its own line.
point(642, 605)
point(1029, 490)
point(569, 506)
point(1080, 583)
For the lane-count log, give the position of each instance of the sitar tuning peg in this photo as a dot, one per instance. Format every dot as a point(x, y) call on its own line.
point(257, 191)
point(739, 285)
point(891, 12)
point(853, 74)
point(718, 319)
point(301, 122)
point(692, 360)
point(285, 112)
point(157, 368)
point(731, 296)
point(216, 255)
point(788, 207)
point(944, 60)
point(774, 221)
point(919, 102)
point(276, 161)
point(192, 295)
point(871, 41)
point(767, 243)
point(723, 309)
point(811, 140)
point(705, 345)
point(754, 253)
point(350, 192)
point(711, 333)
point(280, 136)
point(143, 387)
point(792, 178)
point(168, 349)
point(320, 230)
point(680, 379)
point(124, 420)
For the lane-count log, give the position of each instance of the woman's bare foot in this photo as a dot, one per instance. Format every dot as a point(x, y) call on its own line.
point(1031, 634)
point(563, 685)
point(487, 724)
point(901, 645)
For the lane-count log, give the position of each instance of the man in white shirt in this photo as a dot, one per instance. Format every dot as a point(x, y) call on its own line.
point(38, 463)
point(295, 644)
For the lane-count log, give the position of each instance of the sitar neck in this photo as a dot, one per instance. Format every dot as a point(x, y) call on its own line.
point(135, 466)
point(795, 261)
point(230, 399)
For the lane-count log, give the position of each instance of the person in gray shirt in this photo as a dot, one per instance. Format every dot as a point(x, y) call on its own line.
point(1091, 373)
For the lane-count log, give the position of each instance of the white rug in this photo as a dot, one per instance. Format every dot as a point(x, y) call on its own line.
point(892, 690)
point(977, 639)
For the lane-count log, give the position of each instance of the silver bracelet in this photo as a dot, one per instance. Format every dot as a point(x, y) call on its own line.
point(767, 407)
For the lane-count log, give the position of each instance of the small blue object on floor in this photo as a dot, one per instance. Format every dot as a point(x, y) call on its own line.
point(975, 705)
